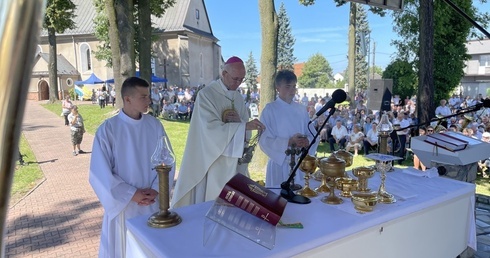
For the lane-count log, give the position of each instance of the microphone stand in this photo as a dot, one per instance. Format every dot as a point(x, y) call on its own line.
point(286, 191)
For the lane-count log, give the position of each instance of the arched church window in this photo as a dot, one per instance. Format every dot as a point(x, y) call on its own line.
point(85, 57)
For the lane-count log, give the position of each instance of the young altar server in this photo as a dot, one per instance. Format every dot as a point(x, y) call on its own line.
point(216, 138)
point(286, 124)
point(120, 169)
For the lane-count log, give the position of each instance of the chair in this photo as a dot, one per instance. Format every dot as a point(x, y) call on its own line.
point(254, 111)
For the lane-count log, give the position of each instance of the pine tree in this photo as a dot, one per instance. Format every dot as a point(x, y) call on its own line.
point(362, 48)
point(285, 42)
point(251, 75)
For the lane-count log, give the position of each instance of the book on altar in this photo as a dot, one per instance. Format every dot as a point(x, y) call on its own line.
point(253, 198)
point(448, 141)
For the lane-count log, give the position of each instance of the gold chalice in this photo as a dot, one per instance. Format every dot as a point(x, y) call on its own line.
point(364, 202)
point(318, 175)
point(346, 185)
point(383, 195)
point(362, 174)
point(333, 168)
point(308, 166)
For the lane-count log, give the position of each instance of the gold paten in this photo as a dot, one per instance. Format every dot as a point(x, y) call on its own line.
point(164, 218)
point(333, 168)
point(363, 174)
point(364, 202)
point(308, 166)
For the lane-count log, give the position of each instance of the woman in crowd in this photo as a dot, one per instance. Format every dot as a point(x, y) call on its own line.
point(355, 139)
point(66, 106)
point(77, 130)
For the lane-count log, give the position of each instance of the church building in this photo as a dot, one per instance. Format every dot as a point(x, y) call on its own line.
point(186, 52)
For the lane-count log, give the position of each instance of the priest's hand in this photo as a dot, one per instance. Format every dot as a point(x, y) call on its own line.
point(299, 140)
point(144, 197)
point(255, 125)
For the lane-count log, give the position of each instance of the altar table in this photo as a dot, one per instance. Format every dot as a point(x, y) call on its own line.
point(433, 217)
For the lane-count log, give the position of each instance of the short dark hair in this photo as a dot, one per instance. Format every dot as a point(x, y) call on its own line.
point(285, 75)
point(131, 83)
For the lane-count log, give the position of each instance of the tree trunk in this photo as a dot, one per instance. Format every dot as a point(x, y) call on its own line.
point(144, 18)
point(125, 18)
point(268, 60)
point(352, 54)
point(52, 67)
point(121, 36)
point(425, 103)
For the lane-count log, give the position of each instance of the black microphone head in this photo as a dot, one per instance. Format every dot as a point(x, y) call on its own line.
point(339, 96)
point(486, 103)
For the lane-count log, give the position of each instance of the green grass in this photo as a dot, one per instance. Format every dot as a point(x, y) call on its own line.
point(26, 176)
point(177, 131)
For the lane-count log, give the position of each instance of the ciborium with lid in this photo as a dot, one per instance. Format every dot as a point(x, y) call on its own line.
point(333, 168)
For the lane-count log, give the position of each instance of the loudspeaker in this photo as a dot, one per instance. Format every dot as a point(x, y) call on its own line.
point(376, 91)
point(386, 101)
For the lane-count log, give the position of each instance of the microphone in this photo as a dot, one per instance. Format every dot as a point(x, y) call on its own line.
point(338, 96)
point(484, 103)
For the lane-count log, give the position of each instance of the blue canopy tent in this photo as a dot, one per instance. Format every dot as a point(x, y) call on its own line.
point(153, 78)
point(93, 79)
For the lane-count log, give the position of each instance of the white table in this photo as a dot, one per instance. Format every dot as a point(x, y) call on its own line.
point(433, 217)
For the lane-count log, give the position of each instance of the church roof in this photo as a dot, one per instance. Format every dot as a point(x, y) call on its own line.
point(64, 67)
point(173, 19)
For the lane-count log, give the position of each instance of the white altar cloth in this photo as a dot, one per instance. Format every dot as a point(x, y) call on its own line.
point(433, 217)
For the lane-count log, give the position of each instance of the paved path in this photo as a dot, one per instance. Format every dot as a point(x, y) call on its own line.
point(62, 216)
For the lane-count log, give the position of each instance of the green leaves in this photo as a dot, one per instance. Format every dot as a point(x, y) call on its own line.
point(317, 73)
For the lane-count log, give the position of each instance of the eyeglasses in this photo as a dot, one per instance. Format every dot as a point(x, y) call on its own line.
point(236, 79)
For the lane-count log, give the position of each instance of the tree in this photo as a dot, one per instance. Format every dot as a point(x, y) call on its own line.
point(252, 73)
point(59, 17)
point(285, 42)
point(317, 73)
point(126, 17)
point(268, 61)
point(450, 32)
point(404, 77)
point(362, 45)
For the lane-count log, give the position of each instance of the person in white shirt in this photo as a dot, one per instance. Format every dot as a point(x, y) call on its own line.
point(355, 139)
point(454, 102)
point(304, 100)
point(371, 139)
point(339, 134)
point(287, 126)
point(401, 135)
point(155, 99)
point(443, 110)
point(121, 173)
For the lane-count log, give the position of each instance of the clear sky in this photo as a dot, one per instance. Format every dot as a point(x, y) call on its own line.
point(320, 28)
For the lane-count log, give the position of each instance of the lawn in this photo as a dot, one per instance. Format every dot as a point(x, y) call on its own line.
point(177, 131)
point(26, 176)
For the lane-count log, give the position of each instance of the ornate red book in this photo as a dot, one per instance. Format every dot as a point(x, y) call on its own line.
point(253, 198)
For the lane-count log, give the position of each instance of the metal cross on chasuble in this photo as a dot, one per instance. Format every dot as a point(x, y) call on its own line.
point(228, 110)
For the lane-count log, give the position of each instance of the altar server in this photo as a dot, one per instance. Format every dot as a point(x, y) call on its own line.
point(120, 169)
point(287, 125)
point(216, 138)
